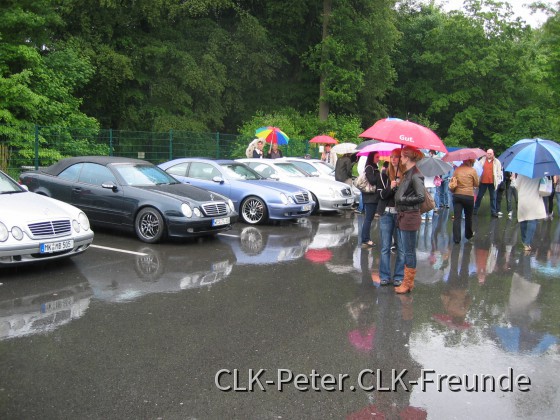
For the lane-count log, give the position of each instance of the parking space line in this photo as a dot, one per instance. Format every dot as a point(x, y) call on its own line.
point(118, 250)
point(228, 234)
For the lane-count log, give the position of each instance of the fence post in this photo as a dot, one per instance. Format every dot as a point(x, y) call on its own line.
point(171, 144)
point(110, 142)
point(217, 145)
point(36, 147)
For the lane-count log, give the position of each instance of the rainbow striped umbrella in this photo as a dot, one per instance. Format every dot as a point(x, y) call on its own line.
point(272, 135)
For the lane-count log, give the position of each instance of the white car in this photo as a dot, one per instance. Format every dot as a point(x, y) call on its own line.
point(35, 228)
point(330, 195)
point(317, 167)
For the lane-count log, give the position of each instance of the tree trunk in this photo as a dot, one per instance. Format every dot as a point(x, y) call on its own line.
point(323, 104)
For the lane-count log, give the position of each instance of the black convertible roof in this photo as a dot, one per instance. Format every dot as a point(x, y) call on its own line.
point(62, 164)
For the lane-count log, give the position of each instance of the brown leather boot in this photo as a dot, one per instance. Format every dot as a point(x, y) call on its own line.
point(408, 281)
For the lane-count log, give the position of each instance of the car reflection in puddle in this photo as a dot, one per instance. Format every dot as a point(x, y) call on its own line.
point(41, 303)
point(261, 245)
point(157, 269)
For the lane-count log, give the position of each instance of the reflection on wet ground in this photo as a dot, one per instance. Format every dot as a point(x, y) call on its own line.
point(145, 333)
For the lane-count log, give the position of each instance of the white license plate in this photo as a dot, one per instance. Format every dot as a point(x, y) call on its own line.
point(349, 200)
point(51, 247)
point(306, 207)
point(56, 305)
point(220, 222)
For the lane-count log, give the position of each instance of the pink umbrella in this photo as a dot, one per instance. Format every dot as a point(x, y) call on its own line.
point(464, 154)
point(382, 148)
point(323, 139)
point(395, 130)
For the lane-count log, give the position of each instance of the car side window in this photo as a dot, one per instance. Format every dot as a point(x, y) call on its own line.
point(179, 170)
point(202, 171)
point(93, 173)
point(71, 173)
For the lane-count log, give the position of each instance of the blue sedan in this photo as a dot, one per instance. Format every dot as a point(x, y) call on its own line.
point(255, 198)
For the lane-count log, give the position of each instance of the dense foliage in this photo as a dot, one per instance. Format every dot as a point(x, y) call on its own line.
point(478, 77)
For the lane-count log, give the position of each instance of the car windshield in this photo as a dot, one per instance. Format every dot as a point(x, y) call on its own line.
point(8, 185)
point(141, 175)
point(323, 167)
point(290, 169)
point(240, 171)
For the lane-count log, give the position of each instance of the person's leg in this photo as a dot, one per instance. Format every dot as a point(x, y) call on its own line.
point(386, 224)
point(368, 218)
point(499, 196)
point(508, 198)
point(360, 208)
point(457, 218)
point(530, 232)
point(399, 260)
point(523, 228)
point(492, 192)
point(409, 244)
point(437, 195)
point(481, 190)
point(430, 214)
point(468, 206)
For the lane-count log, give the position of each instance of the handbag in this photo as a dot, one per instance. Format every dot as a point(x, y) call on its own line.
point(428, 204)
point(363, 184)
point(453, 183)
point(545, 186)
point(437, 181)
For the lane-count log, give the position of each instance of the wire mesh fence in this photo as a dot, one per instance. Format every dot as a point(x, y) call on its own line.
point(42, 146)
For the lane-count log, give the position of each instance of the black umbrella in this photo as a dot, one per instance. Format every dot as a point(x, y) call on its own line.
point(431, 166)
point(366, 143)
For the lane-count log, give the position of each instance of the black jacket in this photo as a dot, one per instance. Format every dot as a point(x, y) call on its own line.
point(374, 177)
point(386, 194)
point(410, 193)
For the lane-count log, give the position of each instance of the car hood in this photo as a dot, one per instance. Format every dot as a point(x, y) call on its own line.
point(276, 185)
point(28, 207)
point(185, 191)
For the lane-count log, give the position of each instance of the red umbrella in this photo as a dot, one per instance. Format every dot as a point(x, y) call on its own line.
point(318, 255)
point(395, 130)
point(464, 154)
point(323, 139)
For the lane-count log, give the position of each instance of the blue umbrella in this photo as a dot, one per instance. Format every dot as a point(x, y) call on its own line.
point(533, 158)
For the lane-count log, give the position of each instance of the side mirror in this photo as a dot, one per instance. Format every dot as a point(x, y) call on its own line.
point(24, 187)
point(110, 186)
point(274, 176)
point(218, 179)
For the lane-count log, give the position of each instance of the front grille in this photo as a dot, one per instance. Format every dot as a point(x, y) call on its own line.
point(346, 192)
point(301, 198)
point(49, 229)
point(215, 209)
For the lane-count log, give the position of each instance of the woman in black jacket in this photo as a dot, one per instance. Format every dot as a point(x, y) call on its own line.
point(370, 200)
point(410, 194)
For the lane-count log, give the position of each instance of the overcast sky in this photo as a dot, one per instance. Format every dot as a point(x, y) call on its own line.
point(534, 20)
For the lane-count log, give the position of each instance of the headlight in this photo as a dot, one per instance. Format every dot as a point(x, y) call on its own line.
point(284, 198)
point(197, 212)
point(186, 209)
point(230, 204)
point(83, 220)
point(76, 226)
point(333, 192)
point(3, 232)
point(17, 233)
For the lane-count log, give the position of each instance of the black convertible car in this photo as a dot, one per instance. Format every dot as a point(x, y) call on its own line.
point(135, 195)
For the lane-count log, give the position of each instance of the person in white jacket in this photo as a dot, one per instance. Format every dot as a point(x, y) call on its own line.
point(530, 208)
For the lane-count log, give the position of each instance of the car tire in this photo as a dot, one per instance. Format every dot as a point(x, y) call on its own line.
point(316, 208)
point(149, 225)
point(253, 211)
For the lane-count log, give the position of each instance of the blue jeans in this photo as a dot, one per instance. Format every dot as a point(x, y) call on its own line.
point(370, 209)
point(361, 204)
point(408, 239)
point(444, 193)
point(528, 229)
point(432, 191)
point(388, 230)
point(481, 190)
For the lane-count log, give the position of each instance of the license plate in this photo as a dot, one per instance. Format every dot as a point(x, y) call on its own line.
point(220, 222)
point(56, 305)
point(349, 200)
point(51, 247)
point(306, 207)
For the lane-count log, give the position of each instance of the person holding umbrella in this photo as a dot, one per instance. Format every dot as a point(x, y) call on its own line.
point(409, 195)
point(463, 199)
point(528, 208)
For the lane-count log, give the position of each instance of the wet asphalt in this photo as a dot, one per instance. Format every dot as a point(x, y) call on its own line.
point(286, 321)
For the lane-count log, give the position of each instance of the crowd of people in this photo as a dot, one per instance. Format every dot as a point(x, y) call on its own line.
point(399, 189)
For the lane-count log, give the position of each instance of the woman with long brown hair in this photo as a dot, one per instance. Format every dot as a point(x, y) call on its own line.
point(388, 224)
point(409, 195)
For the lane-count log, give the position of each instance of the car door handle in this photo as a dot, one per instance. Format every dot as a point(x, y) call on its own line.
point(77, 189)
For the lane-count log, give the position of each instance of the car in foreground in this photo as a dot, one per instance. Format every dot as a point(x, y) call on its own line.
point(134, 195)
point(330, 195)
point(256, 199)
point(35, 228)
point(318, 168)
